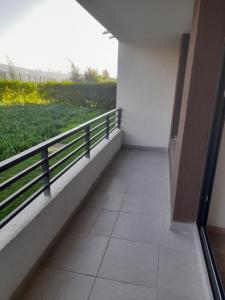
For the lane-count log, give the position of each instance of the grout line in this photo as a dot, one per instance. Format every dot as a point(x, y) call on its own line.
point(110, 237)
point(60, 269)
point(127, 282)
point(158, 277)
point(140, 214)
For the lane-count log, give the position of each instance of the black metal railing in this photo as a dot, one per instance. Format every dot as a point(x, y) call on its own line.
point(26, 175)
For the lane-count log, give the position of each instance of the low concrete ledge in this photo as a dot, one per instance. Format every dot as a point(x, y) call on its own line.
point(25, 239)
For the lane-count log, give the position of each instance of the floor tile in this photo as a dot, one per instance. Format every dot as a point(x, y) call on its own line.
point(113, 184)
point(80, 253)
point(129, 154)
point(113, 201)
point(84, 220)
point(144, 187)
point(173, 295)
point(50, 284)
point(177, 240)
point(112, 290)
point(141, 204)
point(104, 223)
point(96, 200)
point(122, 172)
point(122, 163)
point(131, 262)
point(138, 228)
point(103, 200)
point(179, 273)
point(145, 172)
point(122, 235)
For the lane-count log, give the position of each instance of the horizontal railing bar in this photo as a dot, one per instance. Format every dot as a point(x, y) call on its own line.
point(66, 146)
point(6, 164)
point(97, 134)
point(36, 149)
point(102, 138)
point(98, 141)
point(114, 128)
point(113, 123)
point(96, 127)
point(58, 163)
point(113, 117)
point(68, 167)
point(23, 189)
point(19, 208)
point(23, 173)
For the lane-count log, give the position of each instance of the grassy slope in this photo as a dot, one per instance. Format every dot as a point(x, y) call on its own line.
point(25, 126)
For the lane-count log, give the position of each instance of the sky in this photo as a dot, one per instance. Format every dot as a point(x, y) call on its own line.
point(54, 32)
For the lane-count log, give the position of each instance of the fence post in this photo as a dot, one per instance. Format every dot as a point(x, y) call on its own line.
point(87, 140)
point(45, 169)
point(107, 127)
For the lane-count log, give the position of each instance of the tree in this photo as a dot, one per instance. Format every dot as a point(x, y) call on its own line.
point(75, 74)
point(105, 75)
point(91, 76)
point(11, 68)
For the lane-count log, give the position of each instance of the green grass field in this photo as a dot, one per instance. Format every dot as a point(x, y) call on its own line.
point(23, 126)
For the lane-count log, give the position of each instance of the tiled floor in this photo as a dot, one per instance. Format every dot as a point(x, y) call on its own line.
point(119, 246)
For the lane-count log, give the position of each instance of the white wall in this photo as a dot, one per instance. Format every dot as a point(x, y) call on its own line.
point(24, 239)
point(145, 91)
point(217, 207)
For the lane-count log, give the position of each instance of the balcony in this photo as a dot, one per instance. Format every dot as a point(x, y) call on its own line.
point(117, 244)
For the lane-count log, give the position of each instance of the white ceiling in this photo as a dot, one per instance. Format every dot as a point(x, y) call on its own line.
point(142, 19)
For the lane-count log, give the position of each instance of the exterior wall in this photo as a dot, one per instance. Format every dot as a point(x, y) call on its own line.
point(145, 91)
point(198, 104)
point(183, 51)
point(217, 207)
point(28, 235)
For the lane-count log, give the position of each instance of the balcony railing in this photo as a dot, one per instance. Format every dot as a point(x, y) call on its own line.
point(32, 172)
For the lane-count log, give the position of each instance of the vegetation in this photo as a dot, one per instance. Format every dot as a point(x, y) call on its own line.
point(45, 121)
point(23, 126)
point(100, 95)
point(90, 75)
point(31, 113)
point(75, 74)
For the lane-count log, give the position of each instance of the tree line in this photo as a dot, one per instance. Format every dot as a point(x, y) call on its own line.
point(90, 75)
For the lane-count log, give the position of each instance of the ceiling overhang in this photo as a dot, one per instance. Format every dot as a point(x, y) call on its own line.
point(142, 19)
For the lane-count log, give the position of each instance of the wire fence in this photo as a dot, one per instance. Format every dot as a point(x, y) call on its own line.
point(27, 77)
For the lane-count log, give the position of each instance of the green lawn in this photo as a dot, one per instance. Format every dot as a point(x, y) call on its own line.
point(23, 126)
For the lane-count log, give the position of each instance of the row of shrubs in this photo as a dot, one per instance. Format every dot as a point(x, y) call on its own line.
point(99, 95)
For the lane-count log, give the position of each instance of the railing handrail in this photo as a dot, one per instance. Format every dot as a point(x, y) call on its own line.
point(7, 163)
point(51, 166)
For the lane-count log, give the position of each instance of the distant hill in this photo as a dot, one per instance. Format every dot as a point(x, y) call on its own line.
point(32, 75)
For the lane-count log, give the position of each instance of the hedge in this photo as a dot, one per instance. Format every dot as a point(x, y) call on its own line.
point(100, 95)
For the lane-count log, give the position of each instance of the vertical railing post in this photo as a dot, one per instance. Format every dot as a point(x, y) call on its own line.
point(45, 169)
point(107, 127)
point(119, 119)
point(87, 140)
